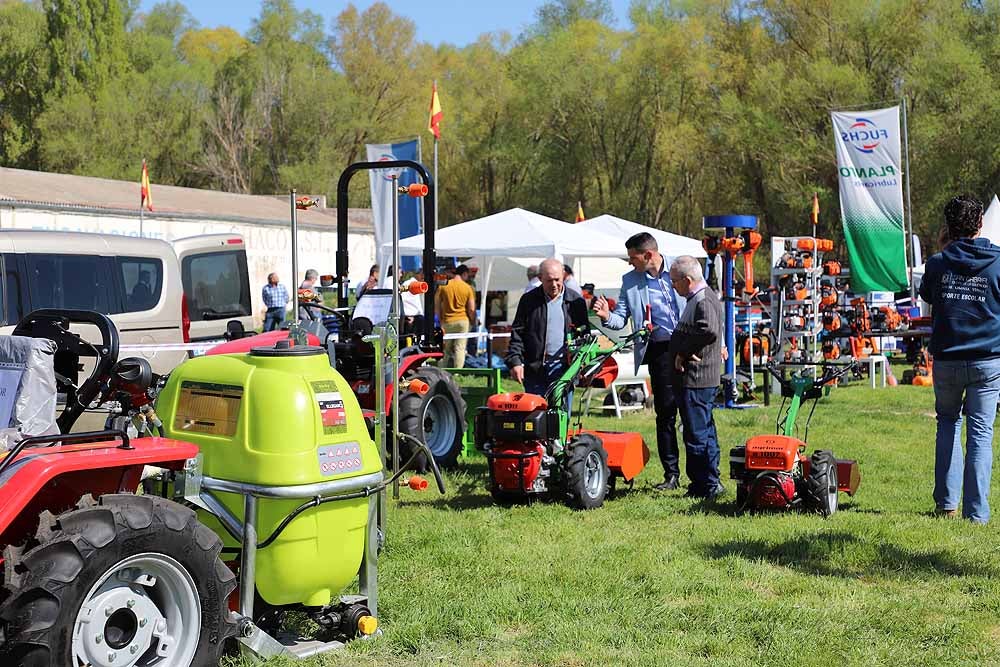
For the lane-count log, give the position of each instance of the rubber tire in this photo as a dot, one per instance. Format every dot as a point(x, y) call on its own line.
point(508, 498)
point(822, 477)
point(574, 469)
point(742, 498)
point(411, 410)
point(46, 586)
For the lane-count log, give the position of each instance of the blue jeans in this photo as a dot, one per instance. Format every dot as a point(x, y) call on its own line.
point(552, 369)
point(274, 318)
point(970, 388)
point(701, 442)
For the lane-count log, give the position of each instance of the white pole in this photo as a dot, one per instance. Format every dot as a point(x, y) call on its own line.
point(909, 207)
point(295, 256)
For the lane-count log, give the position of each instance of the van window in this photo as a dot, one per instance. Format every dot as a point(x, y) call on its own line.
point(83, 282)
point(217, 285)
point(142, 278)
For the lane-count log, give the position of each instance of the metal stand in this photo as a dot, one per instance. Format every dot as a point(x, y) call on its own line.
point(731, 225)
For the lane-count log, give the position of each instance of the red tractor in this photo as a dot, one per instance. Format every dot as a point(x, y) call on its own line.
point(95, 574)
point(772, 472)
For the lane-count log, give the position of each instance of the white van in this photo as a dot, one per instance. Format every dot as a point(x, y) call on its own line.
point(135, 281)
point(216, 282)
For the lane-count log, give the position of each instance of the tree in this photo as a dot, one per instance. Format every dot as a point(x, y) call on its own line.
point(24, 72)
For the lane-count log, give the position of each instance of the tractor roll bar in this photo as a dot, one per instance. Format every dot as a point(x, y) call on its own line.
point(430, 254)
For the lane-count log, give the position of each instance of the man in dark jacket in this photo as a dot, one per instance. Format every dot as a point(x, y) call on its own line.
point(962, 285)
point(696, 353)
point(537, 355)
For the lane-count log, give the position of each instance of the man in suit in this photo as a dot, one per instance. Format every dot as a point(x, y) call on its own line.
point(647, 289)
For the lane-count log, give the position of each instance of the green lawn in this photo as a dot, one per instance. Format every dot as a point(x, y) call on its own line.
point(657, 579)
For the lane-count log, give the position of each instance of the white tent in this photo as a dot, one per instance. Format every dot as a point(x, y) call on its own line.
point(517, 233)
point(670, 245)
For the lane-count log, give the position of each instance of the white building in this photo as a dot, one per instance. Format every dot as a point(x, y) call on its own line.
point(62, 202)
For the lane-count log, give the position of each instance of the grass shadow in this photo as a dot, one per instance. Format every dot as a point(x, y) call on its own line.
point(841, 554)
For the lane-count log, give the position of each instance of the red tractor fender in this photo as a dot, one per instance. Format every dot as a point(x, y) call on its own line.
point(55, 478)
point(244, 345)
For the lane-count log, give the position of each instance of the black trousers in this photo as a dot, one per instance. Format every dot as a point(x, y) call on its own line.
point(665, 405)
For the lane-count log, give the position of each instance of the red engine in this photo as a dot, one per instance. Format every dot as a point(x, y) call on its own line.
point(515, 465)
point(773, 490)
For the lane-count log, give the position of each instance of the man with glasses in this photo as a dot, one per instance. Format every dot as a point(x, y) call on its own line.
point(647, 296)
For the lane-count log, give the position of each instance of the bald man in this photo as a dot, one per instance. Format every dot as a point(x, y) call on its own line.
point(538, 354)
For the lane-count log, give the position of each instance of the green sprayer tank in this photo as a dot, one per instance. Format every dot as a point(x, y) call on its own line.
point(280, 417)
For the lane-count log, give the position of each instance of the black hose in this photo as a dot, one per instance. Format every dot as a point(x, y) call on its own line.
point(363, 493)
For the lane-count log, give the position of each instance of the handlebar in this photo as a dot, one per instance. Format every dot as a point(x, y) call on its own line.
point(841, 370)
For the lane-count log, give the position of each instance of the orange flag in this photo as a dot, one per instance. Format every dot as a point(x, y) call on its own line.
point(580, 217)
point(146, 195)
point(434, 124)
point(815, 212)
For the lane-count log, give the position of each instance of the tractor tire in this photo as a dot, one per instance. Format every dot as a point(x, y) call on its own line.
point(105, 583)
point(821, 494)
point(585, 473)
point(437, 419)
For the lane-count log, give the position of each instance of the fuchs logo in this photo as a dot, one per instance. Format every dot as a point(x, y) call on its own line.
point(387, 174)
point(864, 135)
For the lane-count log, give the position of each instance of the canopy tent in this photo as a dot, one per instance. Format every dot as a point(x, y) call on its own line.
point(517, 233)
point(510, 273)
point(514, 233)
point(670, 245)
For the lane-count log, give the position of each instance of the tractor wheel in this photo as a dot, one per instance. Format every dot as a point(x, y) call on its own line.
point(821, 487)
point(135, 580)
point(437, 419)
point(742, 498)
point(585, 472)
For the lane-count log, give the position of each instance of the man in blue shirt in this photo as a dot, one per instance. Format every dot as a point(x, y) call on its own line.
point(647, 295)
point(275, 300)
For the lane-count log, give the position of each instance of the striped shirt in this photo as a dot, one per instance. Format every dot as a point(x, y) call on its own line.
point(663, 304)
point(275, 296)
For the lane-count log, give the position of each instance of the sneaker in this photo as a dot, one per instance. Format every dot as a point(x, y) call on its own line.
point(668, 484)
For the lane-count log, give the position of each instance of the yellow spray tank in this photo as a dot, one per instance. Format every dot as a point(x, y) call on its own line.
point(280, 417)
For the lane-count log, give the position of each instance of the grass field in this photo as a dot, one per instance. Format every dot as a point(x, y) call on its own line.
point(654, 578)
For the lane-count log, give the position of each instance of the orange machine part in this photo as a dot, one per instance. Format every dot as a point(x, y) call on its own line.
point(848, 476)
point(516, 402)
point(825, 245)
point(627, 452)
point(605, 377)
point(772, 452)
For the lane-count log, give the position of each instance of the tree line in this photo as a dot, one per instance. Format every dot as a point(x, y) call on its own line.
point(697, 107)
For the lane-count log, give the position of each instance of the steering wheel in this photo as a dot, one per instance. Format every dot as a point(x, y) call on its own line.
point(54, 324)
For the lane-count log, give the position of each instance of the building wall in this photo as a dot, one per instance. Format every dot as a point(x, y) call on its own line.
point(268, 246)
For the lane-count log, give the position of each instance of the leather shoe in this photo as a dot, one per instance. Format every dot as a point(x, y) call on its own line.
point(668, 484)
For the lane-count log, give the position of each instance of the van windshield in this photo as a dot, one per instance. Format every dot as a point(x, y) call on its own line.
point(217, 285)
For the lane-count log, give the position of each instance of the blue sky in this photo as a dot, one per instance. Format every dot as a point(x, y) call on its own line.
point(457, 22)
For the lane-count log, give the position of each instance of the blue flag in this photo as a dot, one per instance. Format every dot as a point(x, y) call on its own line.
point(410, 208)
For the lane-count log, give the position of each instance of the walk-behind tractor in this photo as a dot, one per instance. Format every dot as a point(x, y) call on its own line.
point(533, 452)
point(773, 472)
point(266, 504)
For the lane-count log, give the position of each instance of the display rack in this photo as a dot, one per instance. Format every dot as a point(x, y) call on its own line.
point(796, 314)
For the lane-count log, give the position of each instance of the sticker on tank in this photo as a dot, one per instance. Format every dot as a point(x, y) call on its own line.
point(331, 407)
point(338, 459)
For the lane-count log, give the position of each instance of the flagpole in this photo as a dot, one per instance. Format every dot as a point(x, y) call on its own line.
point(437, 184)
point(141, 199)
point(909, 207)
